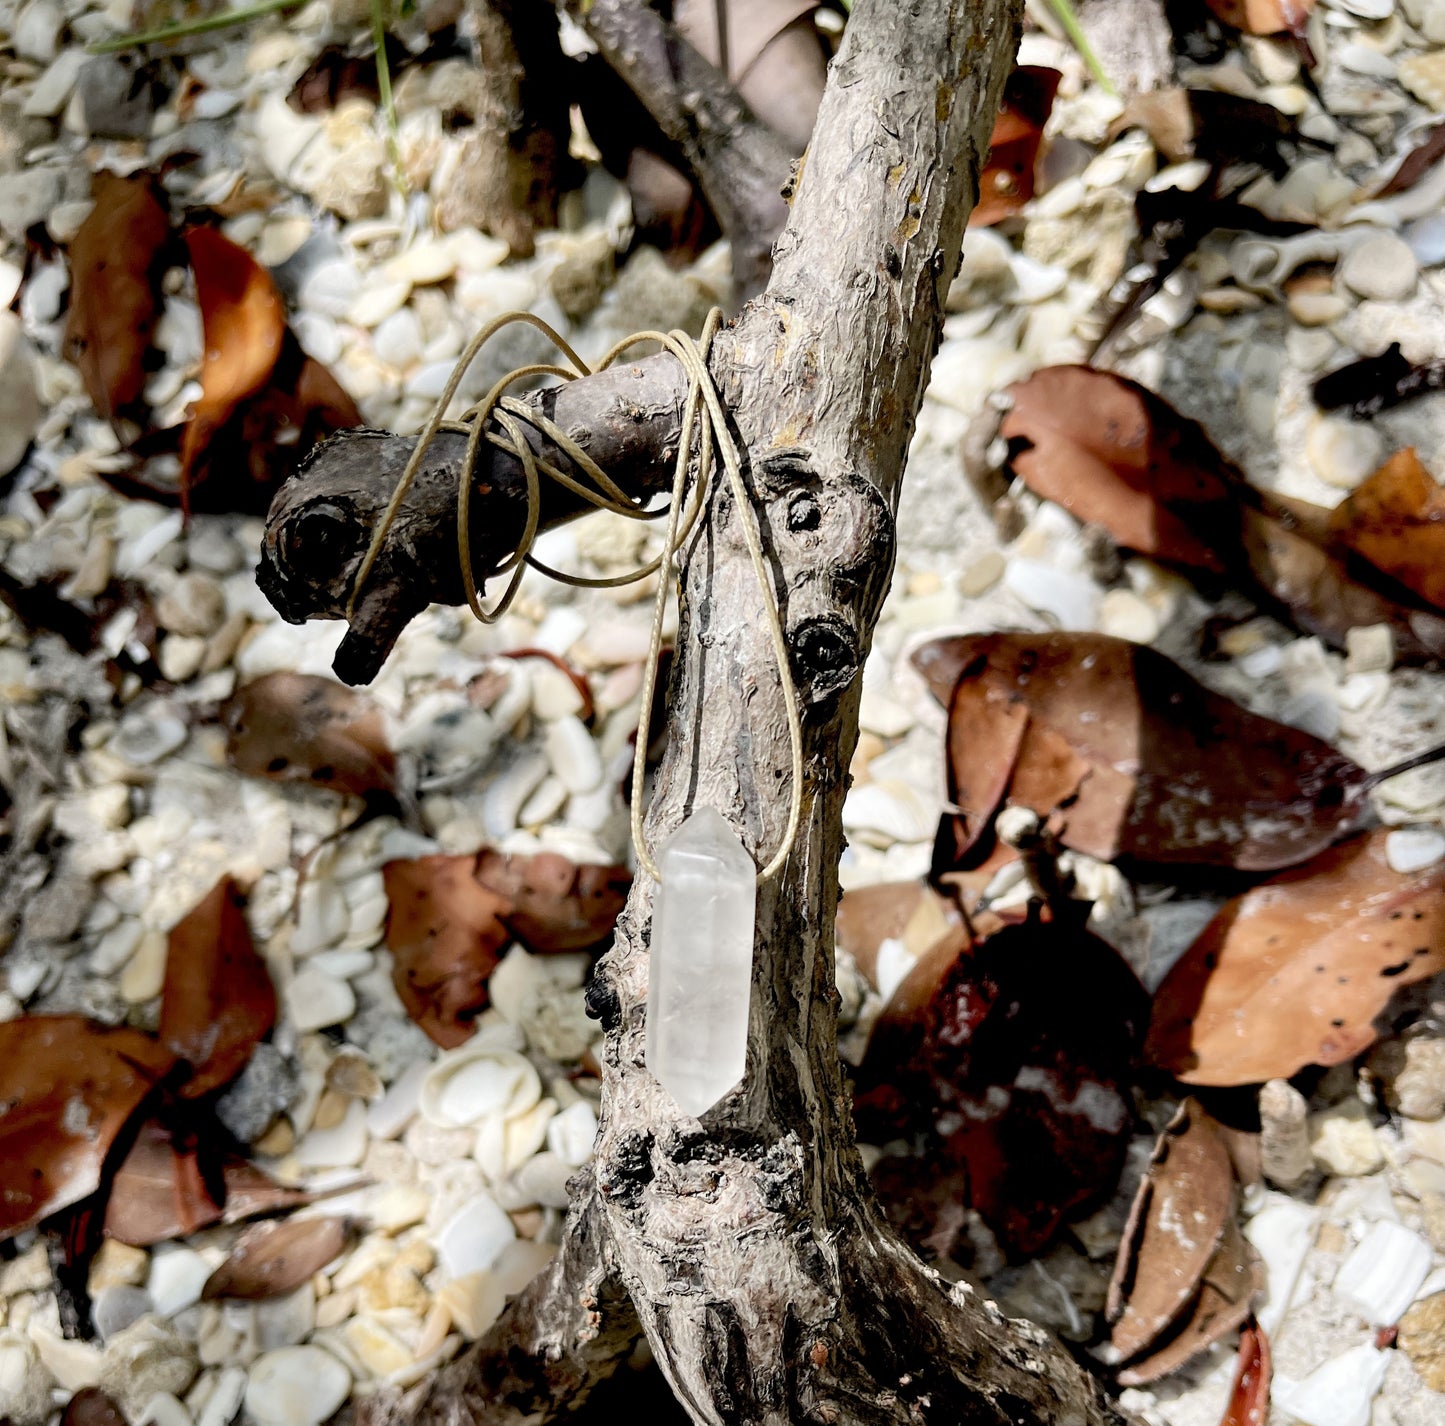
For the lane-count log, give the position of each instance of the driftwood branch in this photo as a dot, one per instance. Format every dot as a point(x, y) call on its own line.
point(740, 164)
point(748, 1242)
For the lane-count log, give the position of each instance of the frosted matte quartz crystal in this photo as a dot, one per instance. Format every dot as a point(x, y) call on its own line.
point(701, 964)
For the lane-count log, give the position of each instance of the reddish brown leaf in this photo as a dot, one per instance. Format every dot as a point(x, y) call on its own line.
point(218, 1000)
point(295, 727)
point(1116, 455)
point(1012, 1061)
point(1007, 180)
point(117, 259)
point(90, 1406)
point(1124, 755)
point(555, 904)
point(1232, 1281)
point(1264, 17)
point(274, 1258)
point(1113, 454)
point(907, 911)
point(1179, 1215)
point(1249, 1396)
point(1396, 521)
point(1295, 971)
point(68, 1088)
point(171, 1185)
point(446, 935)
point(245, 324)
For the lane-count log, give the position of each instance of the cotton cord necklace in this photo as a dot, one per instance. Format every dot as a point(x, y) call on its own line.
point(700, 968)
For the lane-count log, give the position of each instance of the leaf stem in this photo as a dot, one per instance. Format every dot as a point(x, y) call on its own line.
point(1070, 21)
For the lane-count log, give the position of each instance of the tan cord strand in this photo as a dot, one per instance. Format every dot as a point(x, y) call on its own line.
point(704, 415)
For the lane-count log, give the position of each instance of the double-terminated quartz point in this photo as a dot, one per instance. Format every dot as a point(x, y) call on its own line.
point(700, 969)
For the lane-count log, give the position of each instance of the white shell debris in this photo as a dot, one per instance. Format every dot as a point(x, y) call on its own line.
point(1339, 1393)
point(1383, 1274)
point(295, 1386)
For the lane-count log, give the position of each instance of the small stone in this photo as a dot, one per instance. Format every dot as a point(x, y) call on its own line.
point(30, 1272)
point(1343, 1140)
point(163, 1409)
point(474, 1300)
point(343, 1145)
point(24, 1381)
point(264, 1088)
point(1414, 848)
point(225, 1399)
point(176, 1278)
point(580, 279)
point(181, 656)
point(1413, 1074)
point(74, 1365)
point(1381, 268)
point(378, 1350)
point(148, 734)
point(51, 92)
point(1125, 615)
point(37, 31)
point(397, 339)
point(145, 971)
point(1424, 76)
point(315, 1000)
point(1422, 1338)
point(1338, 1393)
point(113, 1309)
point(472, 1239)
point(378, 301)
point(286, 1321)
point(543, 1179)
point(147, 1357)
point(1369, 648)
point(1383, 1274)
point(20, 410)
point(573, 754)
point(1311, 307)
point(1070, 600)
point(1284, 1146)
point(118, 1264)
point(296, 1386)
point(195, 604)
point(1342, 453)
point(118, 96)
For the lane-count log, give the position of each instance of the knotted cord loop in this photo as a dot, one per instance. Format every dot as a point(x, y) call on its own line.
point(703, 416)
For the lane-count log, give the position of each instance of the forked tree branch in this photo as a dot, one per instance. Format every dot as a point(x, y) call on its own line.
point(749, 1242)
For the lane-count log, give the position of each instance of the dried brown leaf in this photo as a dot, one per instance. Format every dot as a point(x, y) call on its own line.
point(294, 727)
point(446, 934)
point(1396, 521)
point(555, 904)
point(907, 911)
point(68, 1089)
point(1177, 1220)
point(1232, 1281)
point(274, 1258)
point(1007, 180)
point(1125, 755)
point(117, 259)
point(218, 1000)
point(1294, 972)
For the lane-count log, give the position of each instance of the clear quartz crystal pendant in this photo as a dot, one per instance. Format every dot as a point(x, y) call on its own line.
point(701, 964)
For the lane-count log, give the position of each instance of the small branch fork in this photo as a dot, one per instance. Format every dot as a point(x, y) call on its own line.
point(747, 1246)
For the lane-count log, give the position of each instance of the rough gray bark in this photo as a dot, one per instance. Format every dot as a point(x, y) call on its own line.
point(749, 1243)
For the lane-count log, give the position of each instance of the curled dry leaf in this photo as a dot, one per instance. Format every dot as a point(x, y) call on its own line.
point(295, 727)
point(117, 259)
point(446, 934)
point(1221, 129)
point(1264, 17)
point(1249, 1394)
point(1007, 180)
point(1125, 755)
point(1176, 1222)
point(218, 1000)
point(1294, 972)
point(555, 904)
point(1114, 454)
point(1373, 384)
point(1012, 1060)
point(271, 1259)
point(244, 324)
point(68, 1088)
point(1232, 1281)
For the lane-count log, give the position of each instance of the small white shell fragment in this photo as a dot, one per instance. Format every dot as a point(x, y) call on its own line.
point(469, 1084)
point(315, 1000)
point(1414, 848)
point(398, 1106)
point(1383, 1274)
point(296, 1386)
point(892, 811)
point(1339, 1393)
point(574, 754)
point(176, 1278)
point(343, 1145)
point(473, 1238)
point(570, 1134)
point(1282, 1232)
